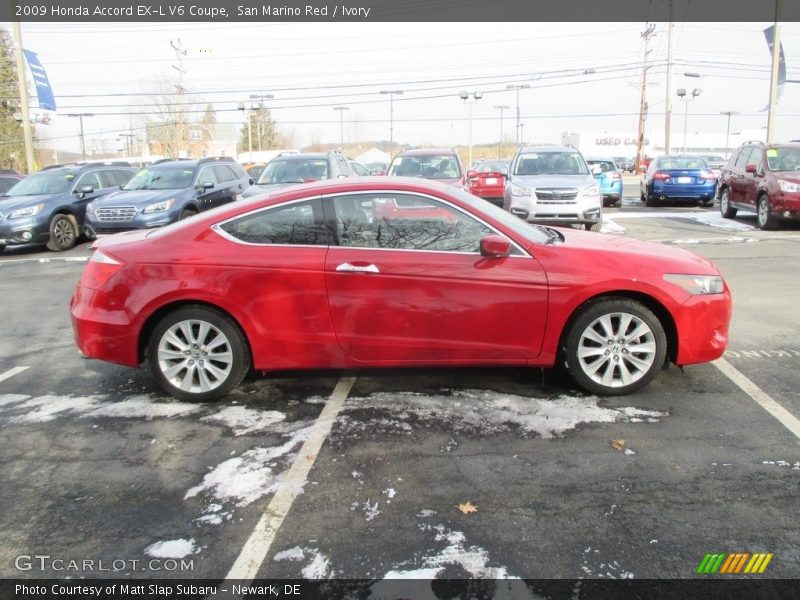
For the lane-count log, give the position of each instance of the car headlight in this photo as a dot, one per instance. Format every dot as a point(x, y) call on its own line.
point(697, 284)
point(788, 186)
point(159, 206)
point(592, 190)
point(90, 207)
point(518, 190)
point(26, 212)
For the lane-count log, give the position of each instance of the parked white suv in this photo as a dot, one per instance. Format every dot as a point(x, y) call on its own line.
point(553, 184)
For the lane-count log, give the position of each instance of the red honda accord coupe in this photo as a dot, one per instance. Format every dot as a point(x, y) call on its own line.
point(325, 276)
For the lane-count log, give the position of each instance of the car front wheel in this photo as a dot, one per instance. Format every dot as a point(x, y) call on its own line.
point(63, 233)
point(766, 220)
point(614, 347)
point(198, 354)
point(725, 208)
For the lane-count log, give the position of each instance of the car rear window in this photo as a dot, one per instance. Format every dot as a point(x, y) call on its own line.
point(681, 162)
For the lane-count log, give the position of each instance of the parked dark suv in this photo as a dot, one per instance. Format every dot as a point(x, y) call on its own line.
point(303, 167)
point(49, 207)
point(764, 178)
point(165, 192)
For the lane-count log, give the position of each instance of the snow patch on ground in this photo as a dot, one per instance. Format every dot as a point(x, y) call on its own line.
point(47, 408)
point(486, 412)
point(246, 420)
point(12, 399)
point(473, 559)
point(712, 219)
point(172, 549)
point(610, 570)
point(246, 478)
point(319, 566)
point(138, 407)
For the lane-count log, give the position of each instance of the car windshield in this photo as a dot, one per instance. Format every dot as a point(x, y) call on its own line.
point(778, 159)
point(712, 158)
point(429, 166)
point(294, 170)
point(161, 178)
point(498, 166)
point(551, 163)
point(605, 165)
point(43, 183)
point(681, 162)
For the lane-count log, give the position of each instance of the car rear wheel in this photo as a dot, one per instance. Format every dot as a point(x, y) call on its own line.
point(198, 354)
point(651, 201)
point(614, 347)
point(725, 208)
point(593, 226)
point(764, 217)
point(708, 202)
point(63, 233)
point(186, 213)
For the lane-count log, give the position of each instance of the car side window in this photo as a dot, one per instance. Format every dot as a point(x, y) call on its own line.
point(299, 223)
point(223, 173)
point(90, 178)
point(744, 157)
point(206, 174)
point(107, 178)
point(405, 222)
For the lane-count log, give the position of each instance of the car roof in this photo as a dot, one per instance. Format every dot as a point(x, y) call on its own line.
point(604, 158)
point(548, 148)
point(302, 156)
point(428, 151)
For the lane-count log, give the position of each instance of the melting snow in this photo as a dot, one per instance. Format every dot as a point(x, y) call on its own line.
point(250, 476)
point(295, 553)
point(318, 568)
point(490, 412)
point(172, 549)
point(48, 408)
point(246, 420)
point(143, 407)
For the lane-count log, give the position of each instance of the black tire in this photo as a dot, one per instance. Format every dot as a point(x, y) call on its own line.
point(2, 247)
point(651, 201)
point(764, 217)
point(588, 337)
point(204, 378)
point(642, 197)
point(63, 233)
point(725, 208)
point(708, 203)
point(618, 203)
point(187, 213)
point(593, 226)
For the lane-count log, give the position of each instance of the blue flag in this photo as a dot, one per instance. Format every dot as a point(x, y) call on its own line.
point(43, 89)
point(769, 34)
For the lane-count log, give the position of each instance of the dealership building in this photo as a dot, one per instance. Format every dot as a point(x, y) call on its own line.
point(623, 144)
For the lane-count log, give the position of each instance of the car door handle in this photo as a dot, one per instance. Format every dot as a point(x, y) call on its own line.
point(348, 268)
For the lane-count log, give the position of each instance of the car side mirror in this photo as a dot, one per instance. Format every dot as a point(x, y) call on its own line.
point(471, 174)
point(597, 169)
point(495, 246)
point(251, 180)
point(207, 185)
point(83, 190)
point(751, 168)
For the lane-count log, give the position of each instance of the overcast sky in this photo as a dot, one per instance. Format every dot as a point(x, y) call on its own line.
point(312, 67)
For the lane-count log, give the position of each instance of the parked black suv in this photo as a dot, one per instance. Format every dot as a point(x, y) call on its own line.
point(290, 169)
point(49, 207)
point(167, 191)
point(764, 178)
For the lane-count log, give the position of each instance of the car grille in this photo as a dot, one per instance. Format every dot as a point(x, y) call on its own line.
point(116, 214)
point(556, 195)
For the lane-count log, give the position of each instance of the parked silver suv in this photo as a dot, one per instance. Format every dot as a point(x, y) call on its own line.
point(553, 184)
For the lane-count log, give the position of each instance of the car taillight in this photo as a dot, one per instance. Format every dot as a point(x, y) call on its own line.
point(661, 176)
point(99, 270)
point(708, 175)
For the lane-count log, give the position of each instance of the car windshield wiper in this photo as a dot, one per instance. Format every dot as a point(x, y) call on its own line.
point(552, 234)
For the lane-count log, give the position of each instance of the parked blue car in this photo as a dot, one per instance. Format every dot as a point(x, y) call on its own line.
point(682, 178)
point(165, 192)
point(609, 179)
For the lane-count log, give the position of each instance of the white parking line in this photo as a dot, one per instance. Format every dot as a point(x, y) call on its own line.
point(786, 418)
point(22, 261)
point(11, 372)
point(258, 544)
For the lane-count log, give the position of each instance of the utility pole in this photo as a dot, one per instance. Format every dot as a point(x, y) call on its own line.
point(501, 108)
point(728, 130)
point(83, 142)
point(391, 115)
point(668, 97)
point(341, 110)
point(773, 83)
point(518, 87)
point(643, 103)
point(465, 97)
point(179, 54)
point(23, 99)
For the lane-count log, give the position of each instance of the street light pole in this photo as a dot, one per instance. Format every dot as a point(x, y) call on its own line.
point(391, 115)
point(80, 117)
point(501, 108)
point(728, 129)
point(685, 97)
point(518, 87)
point(341, 110)
point(465, 97)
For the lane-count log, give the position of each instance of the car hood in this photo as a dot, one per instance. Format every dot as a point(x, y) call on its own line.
point(260, 188)
point(11, 203)
point(534, 181)
point(137, 198)
point(619, 253)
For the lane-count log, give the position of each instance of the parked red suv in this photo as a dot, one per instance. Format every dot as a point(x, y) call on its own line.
point(764, 179)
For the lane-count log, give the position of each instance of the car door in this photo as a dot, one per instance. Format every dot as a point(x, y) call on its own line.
point(737, 179)
point(81, 199)
point(227, 180)
point(407, 283)
point(751, 181)
point(209, 197)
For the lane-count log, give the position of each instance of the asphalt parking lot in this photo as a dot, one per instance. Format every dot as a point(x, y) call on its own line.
point(459, 473)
